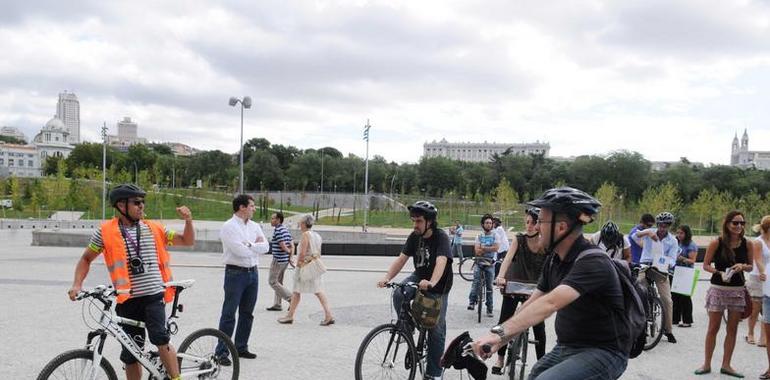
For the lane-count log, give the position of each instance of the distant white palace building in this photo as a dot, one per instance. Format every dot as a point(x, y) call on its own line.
point(27, 160)
point(742, 157)
point(481, 152)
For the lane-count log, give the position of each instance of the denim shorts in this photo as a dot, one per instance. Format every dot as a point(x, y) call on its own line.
point(766, 309)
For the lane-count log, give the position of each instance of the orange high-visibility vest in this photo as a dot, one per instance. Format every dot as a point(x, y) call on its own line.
point(116, 258)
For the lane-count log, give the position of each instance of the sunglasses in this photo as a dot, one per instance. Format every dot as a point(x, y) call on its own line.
point(137, 202)
point(737, 223)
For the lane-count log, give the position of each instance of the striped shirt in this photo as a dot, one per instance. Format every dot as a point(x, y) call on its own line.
point(280, 234)
point(150, 282)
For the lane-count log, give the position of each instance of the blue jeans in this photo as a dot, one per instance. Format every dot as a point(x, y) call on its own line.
point(564, 363)
point(436, 335)
point(241, 294)
point(489, 276)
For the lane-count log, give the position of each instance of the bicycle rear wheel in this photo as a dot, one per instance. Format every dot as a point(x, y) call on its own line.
point(77, 364)
point(466, 268)
point(654, 330)
point(198, 353)
point(386, 352)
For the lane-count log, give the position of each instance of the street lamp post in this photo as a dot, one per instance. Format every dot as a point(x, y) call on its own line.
point(104, 169)
point(366, 175)
point(245, 103)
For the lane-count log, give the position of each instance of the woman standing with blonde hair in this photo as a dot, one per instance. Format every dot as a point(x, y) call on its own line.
point(306, 281)
point(727, 257)
point(762, 260)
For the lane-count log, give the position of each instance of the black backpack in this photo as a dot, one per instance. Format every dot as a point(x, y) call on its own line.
point(634, 301)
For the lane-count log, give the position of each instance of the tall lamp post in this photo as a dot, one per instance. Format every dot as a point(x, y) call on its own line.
point(104, 169)
point(366, 175)
point(245, 103)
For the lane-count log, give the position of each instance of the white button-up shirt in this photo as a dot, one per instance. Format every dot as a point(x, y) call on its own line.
point(239, 242)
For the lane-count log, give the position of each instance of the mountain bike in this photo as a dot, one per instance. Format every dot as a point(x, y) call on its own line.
point(196, 355)
point(654, 329)
point(389, 351)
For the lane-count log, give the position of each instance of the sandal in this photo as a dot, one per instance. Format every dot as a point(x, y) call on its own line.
point(764, 376)
point(702, 371)
point(286, 320)
point(328, 322)
point(749, 340)
point(730, 372)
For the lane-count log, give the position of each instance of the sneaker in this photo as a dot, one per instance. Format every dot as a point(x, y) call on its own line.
point(224, 361)
point(471, 306)
point(274, 308)
point(490, 313)
point(247, 355)
point(685, 325)
point(670, 338)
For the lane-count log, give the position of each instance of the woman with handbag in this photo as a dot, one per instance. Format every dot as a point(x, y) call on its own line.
point(727, 257)
point(308, 272)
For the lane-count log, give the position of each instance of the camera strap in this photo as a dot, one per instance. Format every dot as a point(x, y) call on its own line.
point(134, 243)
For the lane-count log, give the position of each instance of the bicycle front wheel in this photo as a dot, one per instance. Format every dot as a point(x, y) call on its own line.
point(197, 353)
point(77, 364)
point(467, 266)
point(654, 329)
point(386, 352)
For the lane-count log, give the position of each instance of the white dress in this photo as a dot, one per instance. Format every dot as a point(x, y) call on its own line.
point(314, 249)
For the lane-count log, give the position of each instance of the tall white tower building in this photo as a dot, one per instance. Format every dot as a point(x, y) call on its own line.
point(68, 111)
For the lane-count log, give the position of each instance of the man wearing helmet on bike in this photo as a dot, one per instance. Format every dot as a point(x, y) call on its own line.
point(583, 290)
point(612, 241)
point(659, 250)
point(137, 261)
point(428, 246)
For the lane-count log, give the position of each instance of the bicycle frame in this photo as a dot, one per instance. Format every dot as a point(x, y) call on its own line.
point(404, 316)
point(110, 323)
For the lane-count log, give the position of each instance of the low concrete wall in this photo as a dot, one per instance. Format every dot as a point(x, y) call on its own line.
point(44, 224)
point(355, 246)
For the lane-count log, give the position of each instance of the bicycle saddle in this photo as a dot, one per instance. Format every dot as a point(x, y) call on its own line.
point(180, 284)
point(458, 357)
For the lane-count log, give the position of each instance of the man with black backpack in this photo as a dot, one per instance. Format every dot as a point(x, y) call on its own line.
point(597, 306)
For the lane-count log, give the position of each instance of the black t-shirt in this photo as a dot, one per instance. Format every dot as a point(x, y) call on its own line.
point(596, 318)
point(424, 253)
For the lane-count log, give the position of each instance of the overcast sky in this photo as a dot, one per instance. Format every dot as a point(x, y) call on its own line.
point(668, 79)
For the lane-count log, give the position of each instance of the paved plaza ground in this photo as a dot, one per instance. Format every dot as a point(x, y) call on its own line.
point(37, 320)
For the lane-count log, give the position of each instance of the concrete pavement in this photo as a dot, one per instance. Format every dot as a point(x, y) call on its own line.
point(37, 321)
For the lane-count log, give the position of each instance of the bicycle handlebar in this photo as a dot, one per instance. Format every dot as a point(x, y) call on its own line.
point(409, 284)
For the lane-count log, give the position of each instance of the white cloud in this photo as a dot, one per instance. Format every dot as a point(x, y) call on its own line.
point(667, 79)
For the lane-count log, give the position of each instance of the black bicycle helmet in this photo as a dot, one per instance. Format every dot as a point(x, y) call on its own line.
point(574, 203)
point(533, 212)
point(610, 234)
point(125, 191)
point(424, 208)
point(665, 217)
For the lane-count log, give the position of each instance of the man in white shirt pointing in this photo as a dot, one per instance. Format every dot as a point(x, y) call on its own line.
point(242, 243)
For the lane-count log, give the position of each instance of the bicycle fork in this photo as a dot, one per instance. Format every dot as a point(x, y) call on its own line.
point(95, 344)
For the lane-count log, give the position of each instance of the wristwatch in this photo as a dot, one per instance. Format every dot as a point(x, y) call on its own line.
point(499, 330)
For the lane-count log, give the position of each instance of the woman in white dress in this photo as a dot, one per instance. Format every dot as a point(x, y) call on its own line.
point(762, 260)
point(309, 249)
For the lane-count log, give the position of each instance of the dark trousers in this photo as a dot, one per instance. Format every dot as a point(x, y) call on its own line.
point(240, 294)
point(507, 310)
point(682, 310)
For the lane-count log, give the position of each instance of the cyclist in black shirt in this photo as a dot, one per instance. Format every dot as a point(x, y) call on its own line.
point(585, 294)
point(428, 246)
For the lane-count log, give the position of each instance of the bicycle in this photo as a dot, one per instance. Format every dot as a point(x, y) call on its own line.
point(654, 330)
point(481, 289)
point(196, 355)
point(388, 351)
point(517, 348)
